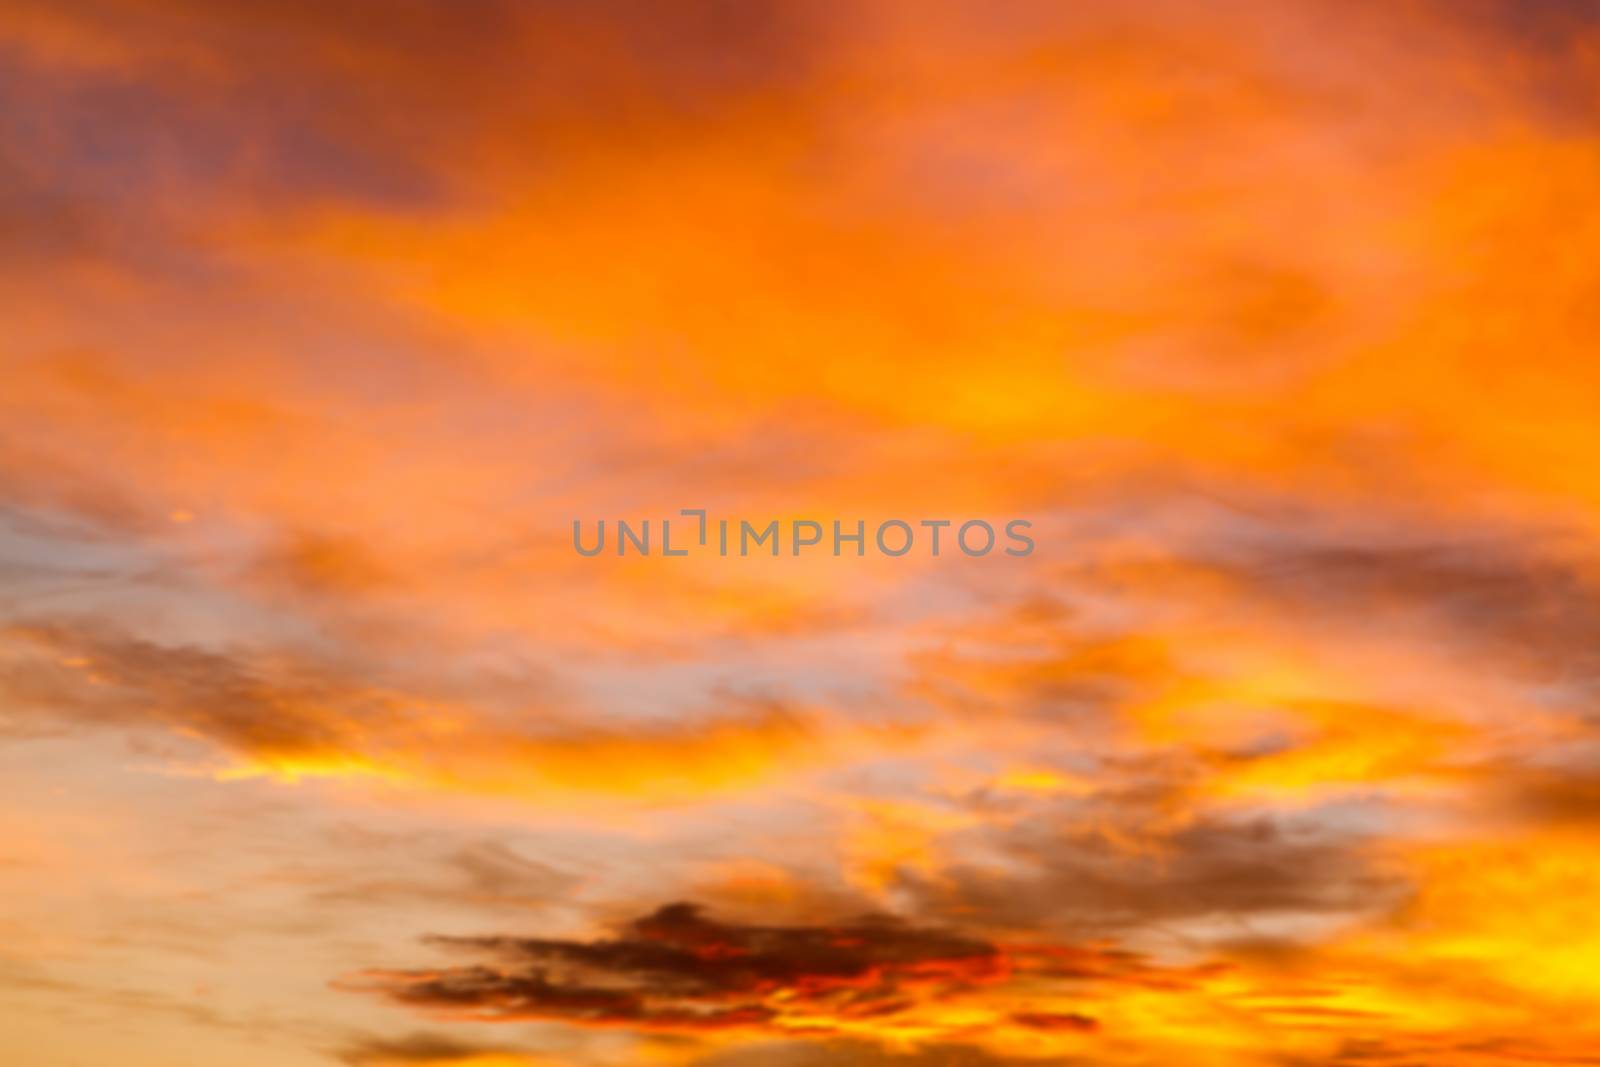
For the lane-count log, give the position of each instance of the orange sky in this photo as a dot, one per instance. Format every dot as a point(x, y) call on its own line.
point(320, 745)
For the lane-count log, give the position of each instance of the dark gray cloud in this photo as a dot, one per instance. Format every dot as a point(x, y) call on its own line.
point(677, 970)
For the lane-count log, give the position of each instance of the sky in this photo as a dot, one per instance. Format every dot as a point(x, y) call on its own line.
point(322, 324)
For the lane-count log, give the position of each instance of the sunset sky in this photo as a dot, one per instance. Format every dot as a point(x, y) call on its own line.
point(321, 322)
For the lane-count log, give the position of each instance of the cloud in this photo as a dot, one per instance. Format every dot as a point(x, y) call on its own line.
point(424, 1048)
point(1116, 864)
point(1518, 602)
point(291, 713)
point(677, 970)
point(862, 1054)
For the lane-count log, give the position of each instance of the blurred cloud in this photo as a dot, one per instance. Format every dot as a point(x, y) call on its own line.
point(324, 322)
